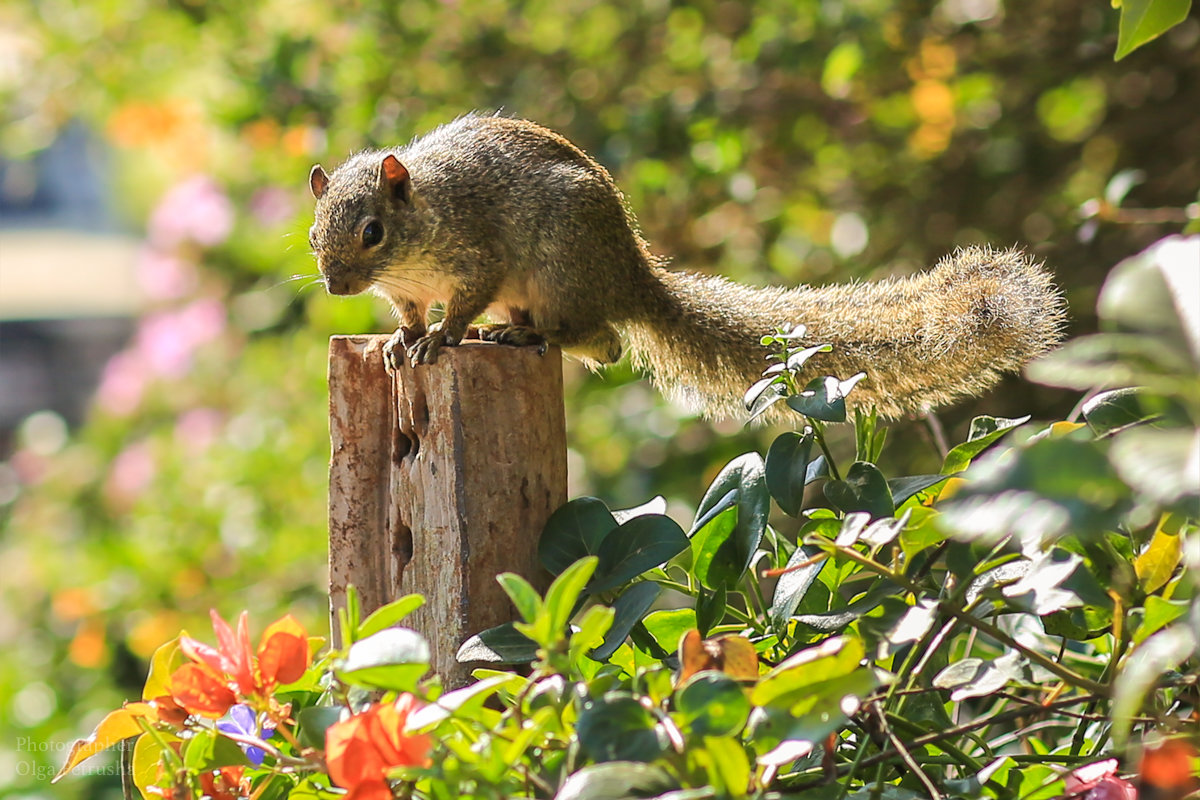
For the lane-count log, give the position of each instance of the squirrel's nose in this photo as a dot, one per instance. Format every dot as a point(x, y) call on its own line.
point(338, 285)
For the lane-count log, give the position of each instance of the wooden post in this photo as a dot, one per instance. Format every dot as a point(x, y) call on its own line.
point(440, 478)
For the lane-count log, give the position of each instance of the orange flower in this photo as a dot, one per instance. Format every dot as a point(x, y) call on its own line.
point(206, 686)
point(360, 750)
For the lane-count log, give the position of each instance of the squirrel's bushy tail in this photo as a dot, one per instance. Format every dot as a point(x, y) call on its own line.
point(923, 341)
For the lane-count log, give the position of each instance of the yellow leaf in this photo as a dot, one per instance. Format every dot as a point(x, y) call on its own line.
point(118, 725)
point(146, 758)
point(166, 659)
point(1156, 564)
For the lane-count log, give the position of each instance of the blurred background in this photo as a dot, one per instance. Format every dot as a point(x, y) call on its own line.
point(163, 440)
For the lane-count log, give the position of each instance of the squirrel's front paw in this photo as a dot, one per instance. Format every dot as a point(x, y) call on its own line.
point(396, 347)
point(425, 351)
point(515, 335)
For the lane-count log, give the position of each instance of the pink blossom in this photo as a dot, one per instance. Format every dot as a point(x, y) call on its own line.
point(195, 210)
point(166, 340)
point(164, 276)
point(198, 428)
point(1099, 781)
point(130, 474)
point(122, 384)
point(272, 206)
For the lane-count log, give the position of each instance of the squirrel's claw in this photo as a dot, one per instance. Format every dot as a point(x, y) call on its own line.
point(425, 351)
point(515, 335)
point(395, 350)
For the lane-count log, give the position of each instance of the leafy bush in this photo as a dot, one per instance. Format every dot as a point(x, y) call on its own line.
point(1003, 628)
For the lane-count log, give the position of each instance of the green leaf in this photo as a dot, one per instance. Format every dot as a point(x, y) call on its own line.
point(787, 470)
point(792, 586)
point(984, 431)
point(628, 610)
point(389, 615)
point(462, 702)
point(574, 531)
point(522, 594)
point(904, 488)
point(822, 399)
point(1157, 614)
point(724, 545)
point(1143, 20)
point(764, 394)
point(978, 677)
point(615, 779)
point(668, 626)
point(502, 644)
point(797, 675)
point(1112, 411)
point(641, 544)
point(617, 727)
point(593, 627)
point(209, 750)
point(560, 600)
point(712, 704)
point(864, 489)
point(393, 659)
point(710, 608)
point(726, 764)
point(314, 721)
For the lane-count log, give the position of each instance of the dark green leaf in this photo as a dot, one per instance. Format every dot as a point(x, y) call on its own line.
point(713, 704)
point(1111, 411)
point(640, 544)
point(710, 609)
point(574, 531)
point(499, 645)
point(1143, 20)
point(619, 728)
point(797, 359)
point(904, 488)
point(629, 609)
point(864, 489)
point(314, 721)
point(792, 586)
point(787, 469)
point(821, 399)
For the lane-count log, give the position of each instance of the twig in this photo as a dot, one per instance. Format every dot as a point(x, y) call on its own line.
point(905, 756)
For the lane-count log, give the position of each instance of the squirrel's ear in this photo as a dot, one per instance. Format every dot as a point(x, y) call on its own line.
point(394, 176)
point(318, 181)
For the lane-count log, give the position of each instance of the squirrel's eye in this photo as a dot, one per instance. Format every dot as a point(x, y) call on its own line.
point(372, 234)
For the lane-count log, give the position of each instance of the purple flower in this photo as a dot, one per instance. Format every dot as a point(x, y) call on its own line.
point(240, 720)
point(195, 210)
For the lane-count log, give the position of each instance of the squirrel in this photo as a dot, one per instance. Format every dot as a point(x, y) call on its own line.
point(490, 213)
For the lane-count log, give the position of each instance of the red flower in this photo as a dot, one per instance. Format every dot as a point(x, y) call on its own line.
point(361, 749)
point(206, 686)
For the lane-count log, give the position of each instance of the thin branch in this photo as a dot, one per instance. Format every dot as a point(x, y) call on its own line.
point(905, 756)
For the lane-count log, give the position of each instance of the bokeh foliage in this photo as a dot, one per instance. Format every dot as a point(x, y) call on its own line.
point(773, 142)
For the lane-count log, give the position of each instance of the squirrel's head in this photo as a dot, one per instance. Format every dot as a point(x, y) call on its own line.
point(364, 220)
